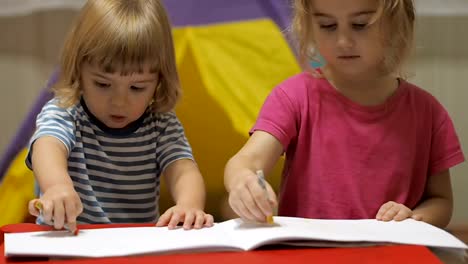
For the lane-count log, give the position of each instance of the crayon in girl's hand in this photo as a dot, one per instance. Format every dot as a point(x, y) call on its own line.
point(38, 206)
point(261, 181)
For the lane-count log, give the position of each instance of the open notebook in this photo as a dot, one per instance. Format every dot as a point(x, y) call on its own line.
point(232, 235)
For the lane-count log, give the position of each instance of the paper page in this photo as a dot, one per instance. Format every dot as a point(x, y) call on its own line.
point(227, 236)
point(115, 242)
point(251, 235)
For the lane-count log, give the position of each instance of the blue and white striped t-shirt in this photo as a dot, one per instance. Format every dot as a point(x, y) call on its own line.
point(115, 171)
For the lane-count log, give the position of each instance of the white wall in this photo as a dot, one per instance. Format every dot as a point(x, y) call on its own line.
point(441, 67)
point(29, 46)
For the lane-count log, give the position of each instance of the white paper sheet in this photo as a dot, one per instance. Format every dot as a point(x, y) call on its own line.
point(227, 236)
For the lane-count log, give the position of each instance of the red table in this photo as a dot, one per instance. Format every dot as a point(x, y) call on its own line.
point(380, 254)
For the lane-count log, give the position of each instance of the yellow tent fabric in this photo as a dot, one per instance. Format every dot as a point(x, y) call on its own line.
point(16, 190)
point(238, 63)
point(226, 71)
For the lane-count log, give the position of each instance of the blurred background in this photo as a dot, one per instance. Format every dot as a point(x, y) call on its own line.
point(230, 54)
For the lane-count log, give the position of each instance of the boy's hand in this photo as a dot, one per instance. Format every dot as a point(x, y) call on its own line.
point(60, 204)
point(395, 211)
point(249, 200)
point(190, 216)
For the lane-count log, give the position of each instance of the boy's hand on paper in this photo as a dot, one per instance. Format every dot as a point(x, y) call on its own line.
point(395, 211)
point(60, 204)
point(191, 217)
point(249, 200)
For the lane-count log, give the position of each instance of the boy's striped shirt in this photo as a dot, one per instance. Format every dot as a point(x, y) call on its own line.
point(115, 171)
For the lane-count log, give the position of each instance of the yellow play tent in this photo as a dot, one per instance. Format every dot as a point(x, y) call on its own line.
point(227, 70)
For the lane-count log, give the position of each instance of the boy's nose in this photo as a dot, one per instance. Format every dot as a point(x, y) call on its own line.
point(118, 99)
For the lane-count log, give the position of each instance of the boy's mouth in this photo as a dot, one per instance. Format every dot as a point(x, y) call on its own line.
point(117, 118)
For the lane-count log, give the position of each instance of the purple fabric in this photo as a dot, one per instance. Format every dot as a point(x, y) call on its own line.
point(26, 129)
point(202, 12)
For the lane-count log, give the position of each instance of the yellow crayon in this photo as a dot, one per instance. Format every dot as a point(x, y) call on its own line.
point(261, 181)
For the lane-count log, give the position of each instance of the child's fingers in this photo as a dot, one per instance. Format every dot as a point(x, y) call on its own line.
point(402, 215)
point(383, 210)
point(390, 214)
point(208, 220)
point(71, 213)
point(258, 203)
point(175, 220)
point(237, 205)
point(47, 211)
point(78, 206)
point(190, 219)
point(417, 217)
point(59, 214)
point(252, 198)
point(242, 201)
point(165, 218)
point(253, 214)
point(199, 219)
point(32, 207)
point(272, 197)
point(72, 227)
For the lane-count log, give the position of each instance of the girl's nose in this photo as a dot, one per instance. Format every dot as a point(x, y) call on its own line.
point(344, 40)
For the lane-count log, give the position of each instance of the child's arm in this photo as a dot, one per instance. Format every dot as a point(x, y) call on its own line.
point(186, 185)
point(437, 205)
point(59, 199)
point(435, 208)
point(246, 196)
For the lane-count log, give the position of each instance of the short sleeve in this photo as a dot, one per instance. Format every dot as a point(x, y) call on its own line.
point(278, 117)
point(172, 143)
point(56, 122)
point(445, 146)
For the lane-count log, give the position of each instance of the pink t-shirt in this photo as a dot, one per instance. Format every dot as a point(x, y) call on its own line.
point(344, 160)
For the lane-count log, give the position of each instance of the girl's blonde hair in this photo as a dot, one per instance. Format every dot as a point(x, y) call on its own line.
point(400, 15)
point(120, 35)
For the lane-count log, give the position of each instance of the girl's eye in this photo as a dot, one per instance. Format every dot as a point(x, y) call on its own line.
point(328, 27)
point(101, 84)
point(359, 26)
point(137, 89)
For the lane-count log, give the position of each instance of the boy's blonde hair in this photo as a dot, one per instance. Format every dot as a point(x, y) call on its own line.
point(400, 15)
point(120, 35)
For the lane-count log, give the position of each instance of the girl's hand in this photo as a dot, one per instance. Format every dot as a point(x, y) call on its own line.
point(395, 211)
point(60, 204)
point(191, 217)
point(250, 201)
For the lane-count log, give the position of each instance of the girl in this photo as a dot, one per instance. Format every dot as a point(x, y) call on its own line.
point(103, 141)
point(360, 141)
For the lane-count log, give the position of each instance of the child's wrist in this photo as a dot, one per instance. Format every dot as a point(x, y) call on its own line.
point(191, 205)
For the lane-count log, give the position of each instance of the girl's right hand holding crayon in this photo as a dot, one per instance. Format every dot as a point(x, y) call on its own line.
point(249, 200)
point(60, 205)
point(250, 196)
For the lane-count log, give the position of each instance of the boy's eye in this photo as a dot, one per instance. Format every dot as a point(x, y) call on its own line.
point(101, 84)
point(328, 26)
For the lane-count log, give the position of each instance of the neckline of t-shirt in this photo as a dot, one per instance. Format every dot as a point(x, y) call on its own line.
point(125, 131)
point(385, 106)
